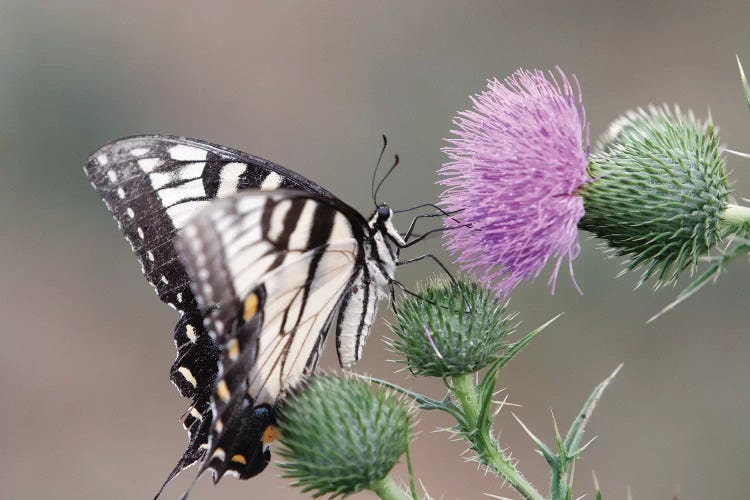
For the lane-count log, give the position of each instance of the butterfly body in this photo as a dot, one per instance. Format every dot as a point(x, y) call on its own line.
point(260, 262)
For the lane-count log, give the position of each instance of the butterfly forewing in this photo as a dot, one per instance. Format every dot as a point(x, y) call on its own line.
point(154, 184)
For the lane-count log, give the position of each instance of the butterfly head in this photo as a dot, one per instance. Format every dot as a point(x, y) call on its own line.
point(381, 217)
point(382, 222)
point(383, 213)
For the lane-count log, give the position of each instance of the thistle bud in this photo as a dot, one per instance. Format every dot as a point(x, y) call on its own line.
point(659, 191)
point(451, 329)
point(338, 437)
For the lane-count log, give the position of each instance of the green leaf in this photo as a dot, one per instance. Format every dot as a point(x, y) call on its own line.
point(712, 273)
point(521, 345)
point(486, 388)
point(575, 434)
point(550, 457)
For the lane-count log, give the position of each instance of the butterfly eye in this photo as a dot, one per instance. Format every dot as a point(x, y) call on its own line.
point(384, 212)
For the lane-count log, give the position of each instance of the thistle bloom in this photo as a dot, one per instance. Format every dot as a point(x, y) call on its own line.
point(519, 158)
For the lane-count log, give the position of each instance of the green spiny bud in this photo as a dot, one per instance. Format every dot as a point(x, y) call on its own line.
point(338, 437)
point(451, 329)
point(659, 191)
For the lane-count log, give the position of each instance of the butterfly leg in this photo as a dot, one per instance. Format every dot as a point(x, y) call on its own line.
point(410, 231)
point(467, 306)
point(428, 256)
point(428, 233)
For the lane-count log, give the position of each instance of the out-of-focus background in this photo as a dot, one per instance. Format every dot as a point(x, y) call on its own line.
point(87, 407)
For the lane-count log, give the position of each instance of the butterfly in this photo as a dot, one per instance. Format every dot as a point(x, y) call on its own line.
point(260, 262)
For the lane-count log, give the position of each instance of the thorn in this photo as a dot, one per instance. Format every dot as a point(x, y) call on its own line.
point(528, 431)
point(736, 153)
point(582, 448)
point(499, 391)
point(431, 340)
point(596, 481)
point(554, 423)
point(744, 80)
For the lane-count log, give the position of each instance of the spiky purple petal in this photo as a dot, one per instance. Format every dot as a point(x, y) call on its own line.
point(519, 157)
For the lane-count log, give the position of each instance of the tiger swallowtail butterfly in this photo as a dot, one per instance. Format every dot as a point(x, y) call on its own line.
point(260, 262)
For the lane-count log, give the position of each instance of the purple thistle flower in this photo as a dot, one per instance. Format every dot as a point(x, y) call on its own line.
point(519, 157)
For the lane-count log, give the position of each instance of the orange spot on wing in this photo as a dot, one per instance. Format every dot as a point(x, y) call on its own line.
point(223, 391)
point(240, 459)
point(234, 349)
point(251, 306)
point(270, 434)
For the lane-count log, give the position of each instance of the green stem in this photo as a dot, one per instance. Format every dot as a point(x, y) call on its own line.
point(412, 485)
point(387, 489)
point(559, 485)
point(484, 444)
point(736, 215)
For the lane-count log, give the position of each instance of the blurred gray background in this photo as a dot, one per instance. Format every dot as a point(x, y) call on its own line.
point(87, 407)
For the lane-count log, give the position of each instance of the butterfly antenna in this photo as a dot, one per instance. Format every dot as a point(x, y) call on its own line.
point(375, 172)
point(393, 167)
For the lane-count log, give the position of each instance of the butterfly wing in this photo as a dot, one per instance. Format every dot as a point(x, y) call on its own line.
point(270, 269)
point(153, 185)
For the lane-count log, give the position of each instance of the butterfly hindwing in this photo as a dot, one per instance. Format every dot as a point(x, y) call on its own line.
point(270, 269)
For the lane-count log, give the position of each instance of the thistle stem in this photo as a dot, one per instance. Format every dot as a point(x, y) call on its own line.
point(736, 215)
point(559, 485)
point(482, 441)
point(387, 489)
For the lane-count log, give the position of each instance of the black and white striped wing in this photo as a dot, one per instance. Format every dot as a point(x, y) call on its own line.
point(271, 270)
point(153, 185)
